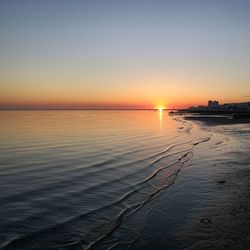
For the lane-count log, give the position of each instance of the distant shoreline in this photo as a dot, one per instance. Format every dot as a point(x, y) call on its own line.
point(213, 112)
point(214, 120)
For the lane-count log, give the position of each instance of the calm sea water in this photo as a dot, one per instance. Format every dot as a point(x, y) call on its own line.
point(69, 179)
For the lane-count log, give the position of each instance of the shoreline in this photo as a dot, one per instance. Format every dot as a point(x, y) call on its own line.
point(214, 120)
point(208, 207)
point(224, 223)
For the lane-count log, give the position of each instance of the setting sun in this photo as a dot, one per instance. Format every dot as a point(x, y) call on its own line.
point(160, 108)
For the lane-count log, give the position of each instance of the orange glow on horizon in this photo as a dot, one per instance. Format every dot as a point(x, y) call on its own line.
point(160, 108)
point(130, 104)
point(147, 99)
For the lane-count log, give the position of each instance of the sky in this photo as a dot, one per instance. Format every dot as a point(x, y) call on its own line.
point(123, 54)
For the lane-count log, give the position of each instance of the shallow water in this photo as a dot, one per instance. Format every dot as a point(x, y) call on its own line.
point(70, 179)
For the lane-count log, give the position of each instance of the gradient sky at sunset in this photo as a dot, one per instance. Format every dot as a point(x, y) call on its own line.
point(123, 54)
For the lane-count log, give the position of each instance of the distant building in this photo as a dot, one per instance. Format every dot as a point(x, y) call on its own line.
point(213, 104)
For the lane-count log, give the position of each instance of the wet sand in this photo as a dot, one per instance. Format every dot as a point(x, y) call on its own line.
point(224, 223)
point(213, 120)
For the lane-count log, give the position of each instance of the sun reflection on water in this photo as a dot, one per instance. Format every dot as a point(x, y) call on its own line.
point(161, 110)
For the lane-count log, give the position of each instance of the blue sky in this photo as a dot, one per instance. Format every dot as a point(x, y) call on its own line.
point(124, 51)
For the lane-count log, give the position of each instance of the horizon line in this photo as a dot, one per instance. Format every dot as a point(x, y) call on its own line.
point(95, 109)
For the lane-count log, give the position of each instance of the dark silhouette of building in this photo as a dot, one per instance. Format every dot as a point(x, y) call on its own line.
point(213, 104)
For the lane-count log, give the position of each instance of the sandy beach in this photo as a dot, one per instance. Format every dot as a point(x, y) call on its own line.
point(224, 220)
point(224, 224)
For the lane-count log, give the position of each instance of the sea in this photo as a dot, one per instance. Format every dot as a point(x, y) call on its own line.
point(92, 179)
